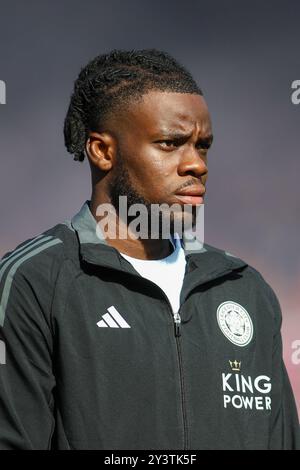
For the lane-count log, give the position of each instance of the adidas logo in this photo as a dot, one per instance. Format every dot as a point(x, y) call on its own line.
point(112, 319)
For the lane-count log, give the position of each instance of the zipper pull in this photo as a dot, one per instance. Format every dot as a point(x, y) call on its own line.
point(177, 322)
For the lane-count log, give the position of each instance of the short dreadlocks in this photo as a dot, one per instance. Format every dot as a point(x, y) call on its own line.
point(111, 81)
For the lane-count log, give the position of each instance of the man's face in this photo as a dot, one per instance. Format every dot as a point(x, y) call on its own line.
point(163, 141)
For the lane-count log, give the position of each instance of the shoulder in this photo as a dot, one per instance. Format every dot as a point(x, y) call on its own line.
point(253, 280)
point(31, 269)
point(44, 250)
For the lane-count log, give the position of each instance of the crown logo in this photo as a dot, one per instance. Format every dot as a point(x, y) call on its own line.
point(235, 365)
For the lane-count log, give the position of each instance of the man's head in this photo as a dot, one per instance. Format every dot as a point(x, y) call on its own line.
point(142, 120)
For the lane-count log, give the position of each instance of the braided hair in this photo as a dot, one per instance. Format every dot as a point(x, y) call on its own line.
point(111, 81)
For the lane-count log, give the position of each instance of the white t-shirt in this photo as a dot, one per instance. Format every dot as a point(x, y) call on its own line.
point(167, 273)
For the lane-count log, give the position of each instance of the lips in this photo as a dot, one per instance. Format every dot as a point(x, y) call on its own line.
point(192, 195)
point(192, 191)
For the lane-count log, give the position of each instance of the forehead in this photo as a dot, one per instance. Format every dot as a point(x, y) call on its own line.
point(160, 112)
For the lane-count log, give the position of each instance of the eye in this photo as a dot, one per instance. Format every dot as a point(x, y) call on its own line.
point(168, 143)
point(203, 147)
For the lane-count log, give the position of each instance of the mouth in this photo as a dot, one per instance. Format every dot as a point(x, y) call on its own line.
point(193, 195)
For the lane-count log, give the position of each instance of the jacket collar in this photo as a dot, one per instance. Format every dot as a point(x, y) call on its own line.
point(209, 261)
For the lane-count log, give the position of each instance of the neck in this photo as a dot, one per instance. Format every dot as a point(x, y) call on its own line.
point(122, 238)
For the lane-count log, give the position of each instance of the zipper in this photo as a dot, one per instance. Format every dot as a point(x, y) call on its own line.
point(177, 323)
point(183, 406)
point(177, 333)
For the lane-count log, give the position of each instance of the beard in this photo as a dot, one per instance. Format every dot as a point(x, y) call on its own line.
point(122, 185)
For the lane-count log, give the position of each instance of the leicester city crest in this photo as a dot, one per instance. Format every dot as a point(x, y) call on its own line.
point(235, 323)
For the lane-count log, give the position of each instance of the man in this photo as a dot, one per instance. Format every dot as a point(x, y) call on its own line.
point(126, 342)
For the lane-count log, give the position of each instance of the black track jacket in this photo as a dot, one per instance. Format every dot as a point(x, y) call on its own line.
point(93, 357)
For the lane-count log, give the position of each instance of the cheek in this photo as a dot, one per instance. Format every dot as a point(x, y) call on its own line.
point(161, 176)
point(153, 170)
point(161, 166)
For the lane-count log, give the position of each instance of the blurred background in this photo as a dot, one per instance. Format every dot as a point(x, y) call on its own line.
point(245, 56)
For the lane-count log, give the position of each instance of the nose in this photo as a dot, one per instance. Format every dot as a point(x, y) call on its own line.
point(192, 163)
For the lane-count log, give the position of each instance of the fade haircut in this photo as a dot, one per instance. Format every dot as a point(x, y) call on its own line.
point(108, 84)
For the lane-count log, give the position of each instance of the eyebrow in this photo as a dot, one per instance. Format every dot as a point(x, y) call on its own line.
point(208, 139)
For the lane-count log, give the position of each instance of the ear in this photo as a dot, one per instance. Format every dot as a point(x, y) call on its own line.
point(101, 150)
